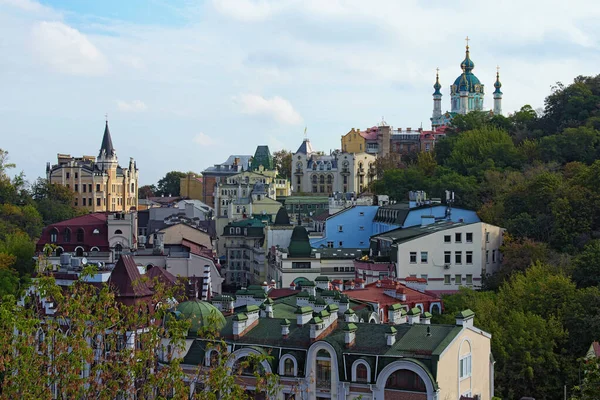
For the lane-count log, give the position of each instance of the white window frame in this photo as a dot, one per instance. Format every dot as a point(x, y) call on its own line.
point(282, 364)
point(355, 366)
point(465, 366)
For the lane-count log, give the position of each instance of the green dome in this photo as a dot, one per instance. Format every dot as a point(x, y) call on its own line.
point(200, 313)
point(467, 64)
point(497, 84)
point(466, 82)
point(299, 244)
point(437, 85)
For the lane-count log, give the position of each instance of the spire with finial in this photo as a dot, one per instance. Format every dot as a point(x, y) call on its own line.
point(467, 65)
point(106, 149)
point(497, 84)
point(437, 85)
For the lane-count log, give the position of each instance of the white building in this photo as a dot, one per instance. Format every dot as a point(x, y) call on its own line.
point(446, 254)
point(315, 172)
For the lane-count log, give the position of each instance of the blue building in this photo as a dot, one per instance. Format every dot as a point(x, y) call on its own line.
point(349, 228)
point(353, 227)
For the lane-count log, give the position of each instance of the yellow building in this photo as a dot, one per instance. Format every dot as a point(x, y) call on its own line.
point(191, 187)
point(99, 183)
point(353, 142)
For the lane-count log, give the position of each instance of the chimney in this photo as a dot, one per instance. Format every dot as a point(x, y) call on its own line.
point(426, 318)
point(414, 316)
point(265, 287)
point(285, 328)
point(465, 318)
point(303, 315)
point(390, 335)
point(350, 316)
point(350, 334)
point(396, 314)
point(269, 307)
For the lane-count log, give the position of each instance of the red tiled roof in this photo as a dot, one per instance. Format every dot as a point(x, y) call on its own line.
point(126, 279)
point(370, 133)
point(83, 220)
point(89, 223)
point(163, 276)
point(373, 294)
point(195, 248)
point(321, 217)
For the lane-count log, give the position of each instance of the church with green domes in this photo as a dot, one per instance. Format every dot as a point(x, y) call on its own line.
point(466, 94)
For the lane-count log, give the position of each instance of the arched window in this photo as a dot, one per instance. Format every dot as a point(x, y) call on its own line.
point(314, 179)
point(322, 179)
point(54, 235)
point(323, 378)
point(321, 166)
point(67, 235)
point(288, 367)
point(118, 251)
point(132, 187)
point(361, 373)
point(94, 249)
point(96, 232)
point(80, 235)
point(328, 166)
point(59, 250)
point(247, 366)
point(79, 251)
point(118, 232)
point(329, 179)
point(404, 379)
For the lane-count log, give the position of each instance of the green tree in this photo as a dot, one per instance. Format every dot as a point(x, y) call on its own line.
point(589, 389)
point(169, 185)
point(282, 160)
point(147, 191)
point(54, 202)
point(586, 265)
point(20, 246)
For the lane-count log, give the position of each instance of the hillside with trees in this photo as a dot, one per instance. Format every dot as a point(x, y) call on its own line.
point(537, 174)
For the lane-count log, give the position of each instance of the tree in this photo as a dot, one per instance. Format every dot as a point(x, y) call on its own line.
point(282, 160)
point(147, 191)
point(589, 389)
point(169, 185)
point(586, 265)
point(20, 246)
point(54, 202)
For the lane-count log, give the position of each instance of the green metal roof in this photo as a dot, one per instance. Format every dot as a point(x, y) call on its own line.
point(465, 314)
point(402, 235)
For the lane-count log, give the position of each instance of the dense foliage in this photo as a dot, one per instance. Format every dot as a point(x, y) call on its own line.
point(24, 211)
point(537, 174)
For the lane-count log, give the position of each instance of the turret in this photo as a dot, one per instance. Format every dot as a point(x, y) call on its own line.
point(497, 94)
point(437, 100)
point(107, 155)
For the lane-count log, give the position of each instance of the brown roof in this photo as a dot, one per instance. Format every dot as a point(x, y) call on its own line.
point(127, 280)
point(163, 276)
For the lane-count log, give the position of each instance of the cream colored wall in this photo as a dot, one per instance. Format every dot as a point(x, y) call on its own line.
point(191, 187)
point(448, 367)
point(174, 234)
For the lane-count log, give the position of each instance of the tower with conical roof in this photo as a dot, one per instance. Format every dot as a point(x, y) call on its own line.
point(467, 91)
point(497, 94)
point(107, 157)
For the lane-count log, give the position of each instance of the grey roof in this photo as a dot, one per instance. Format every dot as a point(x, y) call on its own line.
point(107, 146)
point(243, 164)
point(330, 253)
point(402, 235)
point(305, 147)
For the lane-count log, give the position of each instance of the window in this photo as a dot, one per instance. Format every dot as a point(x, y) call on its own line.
point(469, 279)
point(487, 237)
point(361, 373)
point(76, 175)
point(323, 378)
point(80, 235)
point(53, 235)
point(98, 202)
point(301, 265)
point(340, 228)
point(340, 243)
point(84, 199)
point(77, 188)
point(469, 237)
point(446, 279)
point(469, 257)
point(361, 214)
point(97, 187)
point(458, 257)
point(362, 228)
point(118, 232)
point(493, 256)
point(413, 257)
point(458, 237)
point(424, 276)
point(424, 257)
point(90, 201)
point(288, 367)
point(90, 188)
point(68, 175)
point(465, 367)
point(67, 235)
point(447, 257)
point(447, 238)
point(118, 251)
point(330, 245)
point(487, 256)
point(84, 187)
point(458, 279)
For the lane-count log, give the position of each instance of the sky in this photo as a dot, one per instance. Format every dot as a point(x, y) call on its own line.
point(187, 83)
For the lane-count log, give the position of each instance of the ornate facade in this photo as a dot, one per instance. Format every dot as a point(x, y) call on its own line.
point(99, 183)
point(466, 94)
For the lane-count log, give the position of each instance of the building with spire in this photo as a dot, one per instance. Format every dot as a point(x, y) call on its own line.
point(99, 183)
point(466, 94)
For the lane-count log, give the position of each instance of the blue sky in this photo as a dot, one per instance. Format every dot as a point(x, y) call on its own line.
point(186, 83)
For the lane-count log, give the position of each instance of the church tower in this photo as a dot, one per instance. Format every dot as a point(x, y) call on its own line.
point(497, 94)
point(467, 91)
point(107, 157)
point(436, 117)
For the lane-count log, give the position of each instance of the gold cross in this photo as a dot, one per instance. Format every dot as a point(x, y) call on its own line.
point(437, 70)
point(467, 39)
point(498, 68)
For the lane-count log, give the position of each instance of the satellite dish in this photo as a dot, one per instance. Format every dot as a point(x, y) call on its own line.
point(84, 260)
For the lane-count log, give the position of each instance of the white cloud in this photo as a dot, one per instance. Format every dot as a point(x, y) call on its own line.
point(247, 10)
point(67, 50)
point(204, 140)
point(27, 5)
point(132, 106)
point(133, 62)
point(276, 107)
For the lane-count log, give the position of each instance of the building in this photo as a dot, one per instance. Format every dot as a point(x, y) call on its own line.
point(445, 255)
point(244, 243)
point(102, 236)
point(302, 209)
point(99, 183)
point(349, 228)
point(466, 94)
point(219, 173)
point(322, 348)
point(191, 187)
point(315, 172)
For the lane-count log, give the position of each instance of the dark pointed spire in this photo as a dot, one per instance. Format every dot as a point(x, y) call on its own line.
point(107, 148)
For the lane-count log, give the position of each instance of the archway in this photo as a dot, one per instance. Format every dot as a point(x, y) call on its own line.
point(405, 376)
